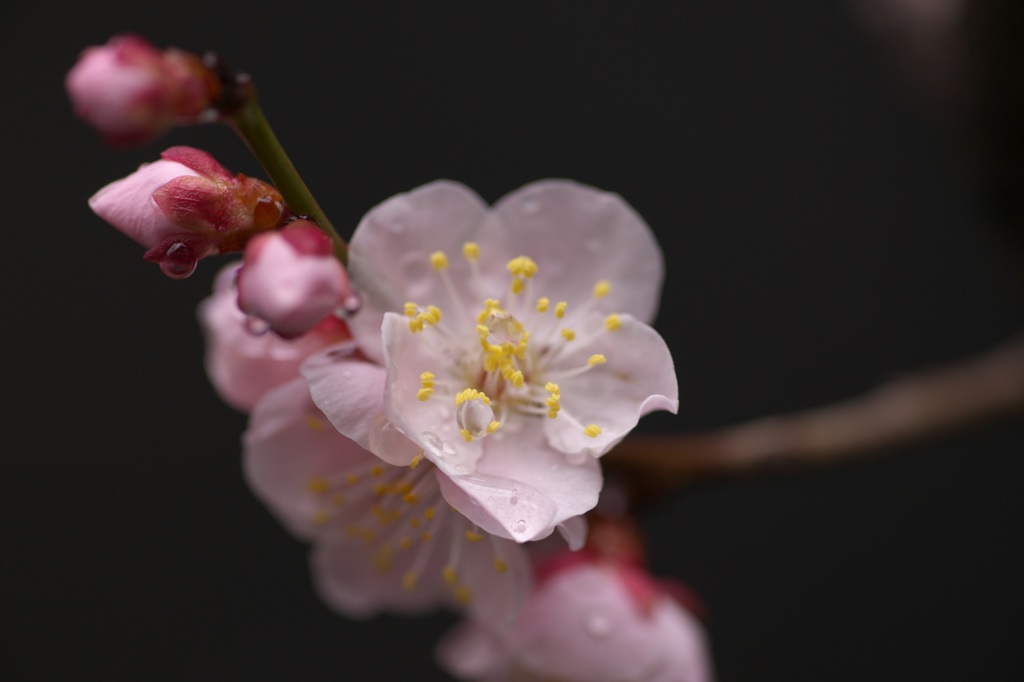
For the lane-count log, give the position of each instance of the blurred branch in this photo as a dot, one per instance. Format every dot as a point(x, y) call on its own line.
point(917, 407)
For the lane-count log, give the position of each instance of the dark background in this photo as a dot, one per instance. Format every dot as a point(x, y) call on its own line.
point(822, 235)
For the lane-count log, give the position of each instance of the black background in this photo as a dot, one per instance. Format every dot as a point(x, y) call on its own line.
point(821, 235)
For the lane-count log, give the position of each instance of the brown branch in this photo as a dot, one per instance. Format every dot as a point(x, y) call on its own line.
point(914, 408)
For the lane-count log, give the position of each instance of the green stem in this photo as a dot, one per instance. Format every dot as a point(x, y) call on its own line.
point(252, 126)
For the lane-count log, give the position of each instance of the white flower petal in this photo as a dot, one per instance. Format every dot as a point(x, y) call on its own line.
point(578, 235)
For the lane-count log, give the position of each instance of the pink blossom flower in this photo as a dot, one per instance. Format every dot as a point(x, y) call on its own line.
point(131, 92)
point(508, 346)
point(242, 363)
point(186, 206)
point(586, 621)
point(291, 279)
point(383, 537)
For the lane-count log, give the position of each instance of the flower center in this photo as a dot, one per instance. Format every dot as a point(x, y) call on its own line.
point(507, 359)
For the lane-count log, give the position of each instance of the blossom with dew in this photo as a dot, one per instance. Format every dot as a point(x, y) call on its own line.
point(243, 361)
point(589, 621)
point(509, 345)
point(132, 93)
point(384, 538)
point(186, 206)
point(291, 280)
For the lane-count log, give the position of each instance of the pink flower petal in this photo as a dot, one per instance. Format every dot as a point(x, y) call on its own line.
point(578, 235)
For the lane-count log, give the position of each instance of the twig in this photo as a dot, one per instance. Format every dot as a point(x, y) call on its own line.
point(917, 407)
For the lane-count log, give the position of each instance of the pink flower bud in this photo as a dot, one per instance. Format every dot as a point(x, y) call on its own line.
point(291, 280)
point(186, 207)
point(132, 93)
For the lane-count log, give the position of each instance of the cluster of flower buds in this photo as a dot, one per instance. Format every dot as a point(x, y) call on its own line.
point(133, 93)
point(186, 206)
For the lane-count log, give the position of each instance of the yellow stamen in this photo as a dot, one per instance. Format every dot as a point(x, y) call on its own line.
point(426, 537)
point(602, 288)
point(376, 471)
point(499, 565)
point(428, 513)
point(466, 435)
point(352, 479)
point(416, 460)
point(314, 424)
point(321, 516)
point(439, 260)
point(596, 359)
point(409, 581)
point(404, 543)
point(560, 309)
point(518, 285)
point(448, 573)
point(317, 485)
point(473, 537)
point(471, 394)
point(411, 498)
point(493, 426)
point(593, 430)
point(463, 595)
point(568, 334)
point(424, 393)
point(612, 322)
point(471, 251)
point(542, 304)
point(435, 313)
point(410, 309)
point(522, 266)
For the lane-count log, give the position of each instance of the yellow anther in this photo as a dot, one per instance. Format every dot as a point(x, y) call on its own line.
point(560, 309)
point(317, 485)
point(471, 394)
point(314, 424)
point(522, 266)
point(427, 379)
point(435, 313)
point(473, 536)
point(405, 543)
point(493, 426)
point(593, 430)
point(602, 288)
point(352, 479)
point(518, 285)
point(471, 251)
point(415, 522)
point(483, 331)
point(568, 334)
point(449, 575)
point(428, 513)
point(466, 435)
point(612, 322)
point(416, 325)
point(542, 304)
point(415, 462)
point(411, 498)
point(410, 309)
point(439, 260)
point(409, 581)
point(517, 379)
point(426, 537)
point(424, 393)
point(463, 595)
point(380, 489)
point(337, 500)
point(551, 387)
point(321, 516)
point(499, 565)
point(376, 471)
point(596, 359)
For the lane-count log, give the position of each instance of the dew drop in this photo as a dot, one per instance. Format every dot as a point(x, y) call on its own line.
point(448, 449)
point(256, 326)
point(349, 306)
point(520, 526)
point(598, 625)
point(178, 262)
point(433, 443)
point(514, 498)
point(530, 207)
point(461, 468)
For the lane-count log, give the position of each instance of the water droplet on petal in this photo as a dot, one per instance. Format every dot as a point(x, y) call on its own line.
point(349, 306)
point(514, 497)
point(432, 442)
point(256, 326)
point(530, 207)
point(520, 526)
point(178, 261)
point(448, 449)
point(597, 625)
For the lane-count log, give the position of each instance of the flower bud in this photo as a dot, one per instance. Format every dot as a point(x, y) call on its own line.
point(187, 206)
point(132, 93)
point(291, 279)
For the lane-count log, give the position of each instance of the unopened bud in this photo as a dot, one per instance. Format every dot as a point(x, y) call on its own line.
point(291, 279)
point(186, 206)
point(132, 93)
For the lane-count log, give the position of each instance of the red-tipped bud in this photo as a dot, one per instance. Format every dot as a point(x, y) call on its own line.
point(291, 280)
point(186, 206)
point(133, 93)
